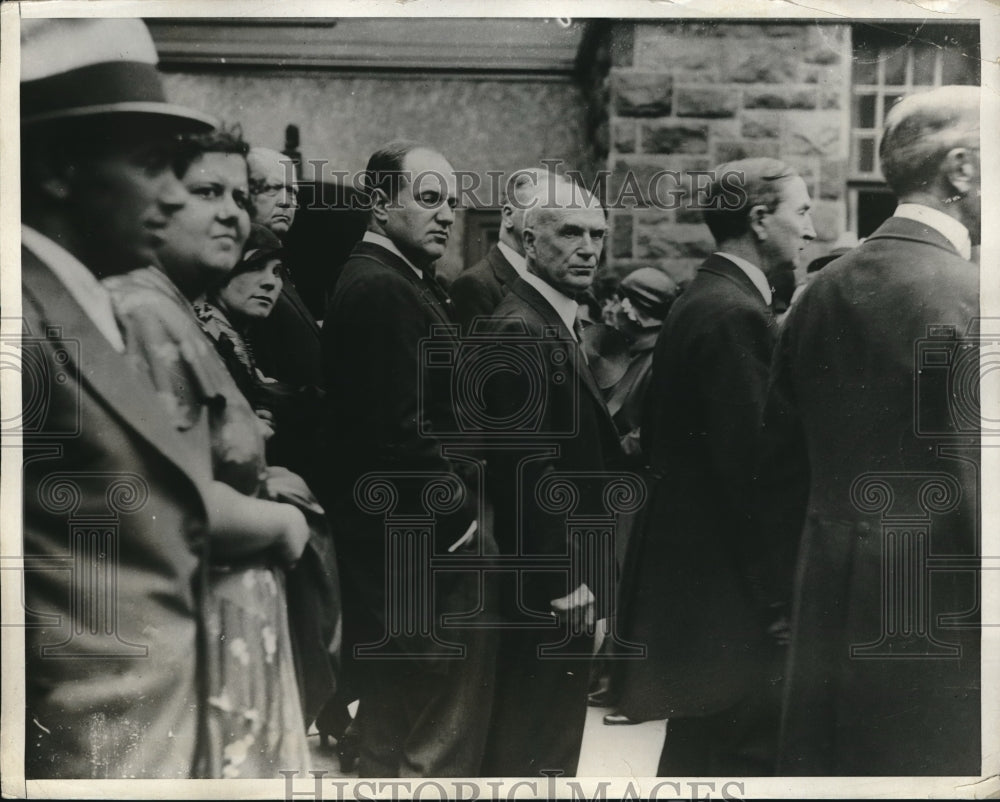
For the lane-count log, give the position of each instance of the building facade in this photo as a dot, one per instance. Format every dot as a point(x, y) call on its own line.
point(640, 109)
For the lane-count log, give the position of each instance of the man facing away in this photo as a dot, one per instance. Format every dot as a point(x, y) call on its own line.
point(420, 714)
point(697, 598)
point(479, 289)
point(872, 457)
point(541, 701)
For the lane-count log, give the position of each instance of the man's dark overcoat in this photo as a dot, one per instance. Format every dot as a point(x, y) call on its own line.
point(872, 439)
point(690, 587)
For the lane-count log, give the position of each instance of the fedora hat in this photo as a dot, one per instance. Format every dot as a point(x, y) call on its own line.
point(75, 68)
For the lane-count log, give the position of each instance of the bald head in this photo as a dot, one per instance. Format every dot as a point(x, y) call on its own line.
point(564, 235)
point(920, 130)
point(272, 189)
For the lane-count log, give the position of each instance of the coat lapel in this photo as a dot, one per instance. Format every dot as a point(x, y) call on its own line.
point(434, 298)
point(503, 270)
point(534, 299)
point(103, 369)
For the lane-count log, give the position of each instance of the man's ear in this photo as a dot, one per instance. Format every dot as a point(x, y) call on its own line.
point(757, 218)
point(53, 171)
point(380, 200)
point(961, 171)
point(528, 241)
point(507, 217)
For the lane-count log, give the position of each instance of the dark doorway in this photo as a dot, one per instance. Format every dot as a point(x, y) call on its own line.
point(331, 218)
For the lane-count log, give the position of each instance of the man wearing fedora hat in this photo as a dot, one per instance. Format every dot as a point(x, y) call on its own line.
point(114, 515)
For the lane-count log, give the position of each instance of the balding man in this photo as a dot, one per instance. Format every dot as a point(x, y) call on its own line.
point(694, 598)
point(272, 190)
point(870, 420)
point(420, 714)
point(286, 343)
point(481, 288)
point(541, 701)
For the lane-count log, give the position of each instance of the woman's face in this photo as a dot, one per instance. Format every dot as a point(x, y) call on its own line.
point(252, 295)
point(204, 239)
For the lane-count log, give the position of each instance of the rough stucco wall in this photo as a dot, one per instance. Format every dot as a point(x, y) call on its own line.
point(688, 97)
point(479, 124)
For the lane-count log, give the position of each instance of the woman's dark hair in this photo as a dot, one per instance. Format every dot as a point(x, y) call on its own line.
point(221, 140)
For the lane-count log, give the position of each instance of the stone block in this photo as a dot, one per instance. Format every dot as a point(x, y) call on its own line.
point(825, 44)
point(817, 134)
point(730, 150)
point(651, 184)
point(832, 178)
point(689, 214)
point(779, 98)
point(829, 219)
point(656, 49)
point(638, 94)
point(700, 101)
point(622, 44)
point(664, 239)
point(830, 98)
point(673, 137)
point(761, 125)
point(624, 136)
point(762, 64)
point(621, 235)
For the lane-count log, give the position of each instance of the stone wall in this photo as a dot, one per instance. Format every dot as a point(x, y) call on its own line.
point(686, 97)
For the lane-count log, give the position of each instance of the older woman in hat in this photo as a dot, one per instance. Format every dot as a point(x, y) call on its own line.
point(267, 516)
point(646, 295)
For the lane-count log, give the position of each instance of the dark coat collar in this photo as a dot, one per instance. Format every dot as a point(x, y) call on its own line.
point(902, 228)
point(504, 271)
point(723, 267)
point(523, 290)
point(430, 291)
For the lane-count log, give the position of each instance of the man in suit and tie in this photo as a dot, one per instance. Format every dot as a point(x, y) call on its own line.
point(541, 701)
point(873, 418)
point(479, 289)
point(696, 599)
point(115, 516)
point(420, 714)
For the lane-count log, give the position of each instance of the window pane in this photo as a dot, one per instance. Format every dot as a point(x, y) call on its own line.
point(866, 155)
point(865, 68)
point(923, 66)
point(864, 111)
point(895, 66)
point(958, 69)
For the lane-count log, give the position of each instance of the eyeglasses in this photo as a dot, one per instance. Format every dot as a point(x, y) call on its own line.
point(272, 190)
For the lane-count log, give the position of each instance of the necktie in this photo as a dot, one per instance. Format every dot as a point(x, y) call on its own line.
point(578, 331)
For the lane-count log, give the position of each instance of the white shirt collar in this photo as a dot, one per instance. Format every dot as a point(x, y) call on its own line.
point(565, 306)
point(754, 273)
point(516, 260)
point(948, 227)
point(83, 285)
point(380, 239)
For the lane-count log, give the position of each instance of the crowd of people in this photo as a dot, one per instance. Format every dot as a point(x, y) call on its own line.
point(432, 503)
